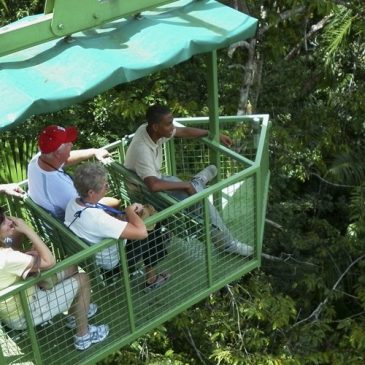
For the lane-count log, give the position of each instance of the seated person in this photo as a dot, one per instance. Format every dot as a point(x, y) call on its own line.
point(89, 220)
point(48, 184)
point(71, 290)
point(144, 157)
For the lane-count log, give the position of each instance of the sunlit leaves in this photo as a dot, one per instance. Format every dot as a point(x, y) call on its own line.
point(337, 31)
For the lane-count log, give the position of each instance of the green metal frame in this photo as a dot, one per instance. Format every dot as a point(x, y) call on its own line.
point(230, 267)
point(64, 17)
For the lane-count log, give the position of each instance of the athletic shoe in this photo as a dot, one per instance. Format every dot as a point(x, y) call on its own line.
point(161, 279)
point(206, 175)
point(71, 322)
point(96, 334)
point(239, 248)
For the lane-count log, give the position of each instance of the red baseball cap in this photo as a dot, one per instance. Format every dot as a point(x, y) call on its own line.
point(53, 136)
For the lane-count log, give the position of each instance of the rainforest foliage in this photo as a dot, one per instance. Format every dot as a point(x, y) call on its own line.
point(306, 68)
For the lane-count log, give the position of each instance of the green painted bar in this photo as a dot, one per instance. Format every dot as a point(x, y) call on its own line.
point(208, 243)
point(124, 265)
point(212, 84)
point(16, 37)
point(229, 152)
point(170, 151)
point(30, 329)
point(222, 119)
point(3, 341)
point(68, 17)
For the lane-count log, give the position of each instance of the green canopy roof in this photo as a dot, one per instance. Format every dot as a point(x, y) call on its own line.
point(59, 73)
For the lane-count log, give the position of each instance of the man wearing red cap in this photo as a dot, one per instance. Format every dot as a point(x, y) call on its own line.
point(49, 185)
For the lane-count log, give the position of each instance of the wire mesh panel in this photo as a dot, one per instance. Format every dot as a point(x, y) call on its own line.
point(194, 247)
point(16, 347)
point(191, 155)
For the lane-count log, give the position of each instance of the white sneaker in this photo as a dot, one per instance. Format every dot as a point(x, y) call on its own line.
point(96, 334)
point(206, 175)
point(239, 248)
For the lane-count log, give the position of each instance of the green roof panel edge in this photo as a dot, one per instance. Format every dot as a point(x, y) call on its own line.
point(56, 74)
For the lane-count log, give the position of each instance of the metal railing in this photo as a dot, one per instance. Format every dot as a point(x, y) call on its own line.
point(190, 248)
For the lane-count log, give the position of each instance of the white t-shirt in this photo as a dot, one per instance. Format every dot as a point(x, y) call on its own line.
point(52, 190)
point(144, 156)
point(93, 226)
point(13, 266)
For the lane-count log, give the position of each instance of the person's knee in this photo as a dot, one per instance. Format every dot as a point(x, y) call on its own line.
point(83, 281)
point(70, 271)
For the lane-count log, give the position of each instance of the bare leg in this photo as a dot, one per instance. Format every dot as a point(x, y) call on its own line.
point(151, 274)
point(70, 271)
point(80, 305)
point(50, 282)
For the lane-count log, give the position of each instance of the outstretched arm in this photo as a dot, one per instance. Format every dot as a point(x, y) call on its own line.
point(189, 132)
point(81, 155)
point(154, 184)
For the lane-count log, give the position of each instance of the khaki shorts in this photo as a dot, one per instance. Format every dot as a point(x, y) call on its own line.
point(45, 304)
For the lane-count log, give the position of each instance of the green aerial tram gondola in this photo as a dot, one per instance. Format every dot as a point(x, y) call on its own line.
point(78, 49)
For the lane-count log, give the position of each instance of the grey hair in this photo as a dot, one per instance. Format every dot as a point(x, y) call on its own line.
point(89, 176)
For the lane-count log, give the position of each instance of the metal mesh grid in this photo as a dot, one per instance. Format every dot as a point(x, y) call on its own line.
point(191, 155)
point(190, 249)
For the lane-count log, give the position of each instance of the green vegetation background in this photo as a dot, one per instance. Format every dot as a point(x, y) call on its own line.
point(306, 307)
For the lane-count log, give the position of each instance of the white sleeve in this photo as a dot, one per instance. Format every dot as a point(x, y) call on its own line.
point(93, 224)
point(106, 226)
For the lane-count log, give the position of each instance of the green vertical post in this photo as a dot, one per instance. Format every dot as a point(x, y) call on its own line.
point(128, 291)
point(258, 218)
point(262, 157)
point(2, 357)
point(208, 240)
point(170, 157)
point(121, 153)
point(213, 105)
point(30, 327)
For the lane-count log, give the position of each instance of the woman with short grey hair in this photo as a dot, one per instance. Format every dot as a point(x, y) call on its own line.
point(93, 222)
point(90, 176)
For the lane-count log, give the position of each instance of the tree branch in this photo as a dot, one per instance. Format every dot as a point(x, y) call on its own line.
point(314, 28)
point(282, 16)
point(274, 224)
point(285, 257)
point(192, 342)
point(237, 66)
point(350, 317)
point(315, 314)
point(330, 183)
point(236, 307)
point(347, 294)
point(248, 79)
point(232, 48)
